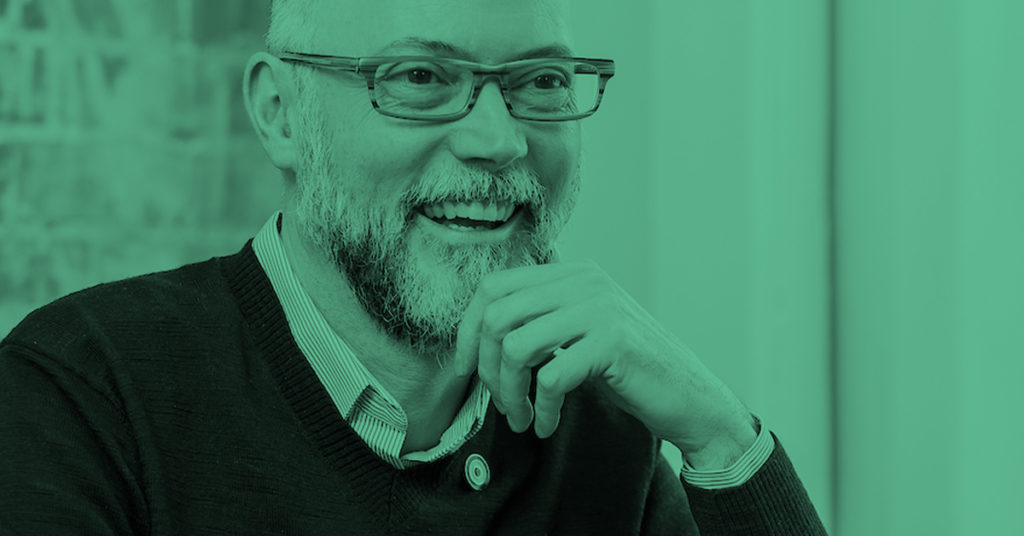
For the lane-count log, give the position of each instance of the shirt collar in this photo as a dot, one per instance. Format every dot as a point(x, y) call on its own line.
point(334, 362)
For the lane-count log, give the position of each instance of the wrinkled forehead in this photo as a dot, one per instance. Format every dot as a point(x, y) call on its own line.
point(489, 31)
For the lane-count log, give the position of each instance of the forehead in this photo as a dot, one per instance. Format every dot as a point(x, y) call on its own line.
point(486, 30)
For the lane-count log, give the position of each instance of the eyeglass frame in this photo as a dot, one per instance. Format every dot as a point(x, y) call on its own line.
point(367, 67)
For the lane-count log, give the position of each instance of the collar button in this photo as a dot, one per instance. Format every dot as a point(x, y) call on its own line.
point(478, 474)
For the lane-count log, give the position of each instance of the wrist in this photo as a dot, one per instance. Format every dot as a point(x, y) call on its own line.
point(721, 450)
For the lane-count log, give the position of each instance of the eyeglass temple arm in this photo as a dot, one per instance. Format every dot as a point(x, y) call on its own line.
point(342, 63)
point(339, 63)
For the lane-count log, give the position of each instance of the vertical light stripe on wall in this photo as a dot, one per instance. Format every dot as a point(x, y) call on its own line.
point(789, 100)
point(989, 365)
point(741, 144)
point(612, 221)
point(900, 177)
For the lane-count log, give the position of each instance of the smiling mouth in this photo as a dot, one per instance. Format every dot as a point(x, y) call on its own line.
point(470, 216)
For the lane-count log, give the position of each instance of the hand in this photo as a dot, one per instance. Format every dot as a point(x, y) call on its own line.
point(575, 323)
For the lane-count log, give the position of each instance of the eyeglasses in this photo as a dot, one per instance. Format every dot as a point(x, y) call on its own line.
point(428, 88)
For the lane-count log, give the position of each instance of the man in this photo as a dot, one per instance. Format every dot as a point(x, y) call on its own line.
point(337, 375)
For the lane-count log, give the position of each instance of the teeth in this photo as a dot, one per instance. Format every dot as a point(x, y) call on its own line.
point(474, 211)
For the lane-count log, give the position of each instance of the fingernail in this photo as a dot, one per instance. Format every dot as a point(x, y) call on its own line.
point(517, 428)
point(545, 431)
point(524, 420)
point(548, 429)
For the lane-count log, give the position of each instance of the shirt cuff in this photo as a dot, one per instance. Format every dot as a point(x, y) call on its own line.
point(738, 473)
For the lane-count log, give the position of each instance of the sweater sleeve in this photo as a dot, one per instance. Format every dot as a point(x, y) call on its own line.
point(665, 509)
point(67, 460)
point(772, 502)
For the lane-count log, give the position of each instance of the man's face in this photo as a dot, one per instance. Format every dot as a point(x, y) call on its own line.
point(367, 182)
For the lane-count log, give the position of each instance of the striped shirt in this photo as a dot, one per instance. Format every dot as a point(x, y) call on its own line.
point(365, 404)
point(377, 417)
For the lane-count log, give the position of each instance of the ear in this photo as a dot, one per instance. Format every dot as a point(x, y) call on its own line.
point(269, 99)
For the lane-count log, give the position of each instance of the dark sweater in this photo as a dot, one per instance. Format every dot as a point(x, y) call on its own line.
point(178, 403)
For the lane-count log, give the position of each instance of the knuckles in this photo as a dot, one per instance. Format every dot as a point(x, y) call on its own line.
point(487, 377)
point(513, 350)
point(548, 380)
point(494, 321)
point(488, 289)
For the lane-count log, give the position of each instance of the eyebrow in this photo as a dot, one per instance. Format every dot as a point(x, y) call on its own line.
point(443, 48)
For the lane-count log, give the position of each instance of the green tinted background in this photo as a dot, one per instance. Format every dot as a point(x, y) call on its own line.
point(822, 198)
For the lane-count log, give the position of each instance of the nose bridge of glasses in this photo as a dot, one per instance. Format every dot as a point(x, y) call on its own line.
point(481, 78)
point(487, 129)
point(481, 83)
point(484, 76)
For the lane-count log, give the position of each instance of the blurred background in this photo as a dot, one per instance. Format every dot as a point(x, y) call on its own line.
point(823, 198)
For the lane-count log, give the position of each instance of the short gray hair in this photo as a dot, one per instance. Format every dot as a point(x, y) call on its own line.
point(292, 25)
point(292, 28)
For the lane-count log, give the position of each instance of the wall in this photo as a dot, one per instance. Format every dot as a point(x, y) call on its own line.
point(931, 301)
point(741, 141)
point(124, 148)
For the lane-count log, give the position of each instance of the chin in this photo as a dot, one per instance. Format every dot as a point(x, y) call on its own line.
point(437, 283)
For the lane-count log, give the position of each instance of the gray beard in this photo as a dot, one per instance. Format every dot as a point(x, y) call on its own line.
point(418, 297)
point(419, 304)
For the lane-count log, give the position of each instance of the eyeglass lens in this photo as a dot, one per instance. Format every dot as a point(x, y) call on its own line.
point(433, 88)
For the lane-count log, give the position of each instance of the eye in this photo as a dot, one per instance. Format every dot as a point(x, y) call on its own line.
point(420, 76)
point(418, 73)
point(545, 78)
point(549, 81)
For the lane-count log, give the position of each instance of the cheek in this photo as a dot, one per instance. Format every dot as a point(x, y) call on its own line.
point(556, 157)
point(377, 172)
point(376, 161)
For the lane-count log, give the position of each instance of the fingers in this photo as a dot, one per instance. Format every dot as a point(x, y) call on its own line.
point(521, 350)
point(569, 368)
point(514, 322)
point(514, 382)
point(517, 408)
point(494, 287)
point(490, 369)
point(495, 345)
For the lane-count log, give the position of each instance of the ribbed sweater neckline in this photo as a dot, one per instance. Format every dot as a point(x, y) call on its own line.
point(386, 492)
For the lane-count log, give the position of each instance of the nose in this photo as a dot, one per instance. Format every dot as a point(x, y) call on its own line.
point(489, 135)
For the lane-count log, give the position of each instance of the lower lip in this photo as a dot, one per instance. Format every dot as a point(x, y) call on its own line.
point(470, 235)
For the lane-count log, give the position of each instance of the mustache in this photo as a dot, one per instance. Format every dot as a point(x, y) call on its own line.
point(457, 183)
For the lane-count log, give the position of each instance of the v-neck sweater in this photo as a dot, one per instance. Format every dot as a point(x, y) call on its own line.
point(179, 403)
point(362, 400)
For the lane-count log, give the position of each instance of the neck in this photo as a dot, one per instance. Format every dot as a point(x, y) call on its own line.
point(429, 394)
